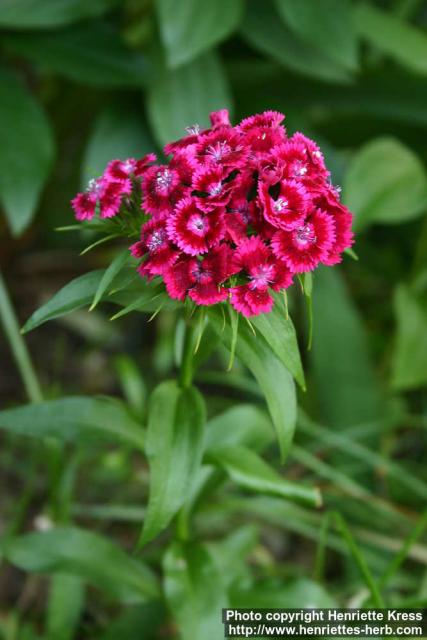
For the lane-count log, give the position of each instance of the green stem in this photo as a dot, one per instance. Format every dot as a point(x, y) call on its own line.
point(187, 370)
point(19, 348)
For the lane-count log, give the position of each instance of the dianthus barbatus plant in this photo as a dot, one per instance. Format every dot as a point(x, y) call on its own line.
point(217, 232)
point(233, 215)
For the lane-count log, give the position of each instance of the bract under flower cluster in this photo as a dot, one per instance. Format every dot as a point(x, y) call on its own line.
point(234, 214)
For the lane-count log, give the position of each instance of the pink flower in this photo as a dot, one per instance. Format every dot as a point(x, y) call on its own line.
point(223, 147)
point(262, 272)
point(200, 279)
point(102, 195)
point(344, 238)
point(162, 189)
point(155, 247)
point(305, 246)
point(212, 190)
point(123, 169)
point(290, 206)
point(219, 118)
point(195, 231)
point(233, 215)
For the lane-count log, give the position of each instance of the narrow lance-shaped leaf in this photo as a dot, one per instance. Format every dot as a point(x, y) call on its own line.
point(27, 152)
point(66, 601)
point(35, 14)
point(108, 276)
point(250, 471)
point(273, 377)
point(75, 419)
point(327, 25)
point(174, 444)
point(385, 183)
point(190, 27)
point(183, 97)
point(278, 330)
point(195, 591)
point(119, 133)
point(263, 28)
point(90, 556)
point(400, 40)
point(92, 53)
point(409, 370)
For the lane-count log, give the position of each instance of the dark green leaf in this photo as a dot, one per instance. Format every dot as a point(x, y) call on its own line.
point(295, 593)
point(327, 25)
point(66, 600)
point(385, 182)
point(118, 133)
point(263, 28)
point(243, 424)
point(190, 27)
point(88, 555)
point(273, 377)
point(185, 96)
point(76, 419)
point(91, 54)
point(400, 40)
point(174, 445)
point(109, 274)
point(279, 331)
point(127, 287)
point(27, 151)
point(195, 591)
point(409, 370)
point(142, 622)
point(347, 389)
point(34, 14)
point(250, 471)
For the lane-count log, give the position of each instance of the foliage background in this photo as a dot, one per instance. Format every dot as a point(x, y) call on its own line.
point(83, 82)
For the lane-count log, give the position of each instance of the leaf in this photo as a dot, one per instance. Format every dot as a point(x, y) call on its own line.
point(402, 41)
point(66, 600)
point(174, 445)
point(108, 276)
point(251, 472)
point(327, 25)
point(34, 14)
point(346, 386)
point(76, 419)
point(183, 97)
point(243, 424)
point(27, 152)
point(119, 133)
point(194, 590)
point(92, 53)
point(279, 331)
point(264, 29)
point(409, 358)
point(80, 292)
point(294, 593)
point(385, 182)
point(87, 555)
point(137, 623)
point(274, 379)
point(190, 27)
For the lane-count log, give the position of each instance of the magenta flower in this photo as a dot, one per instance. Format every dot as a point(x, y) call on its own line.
point(233, 214)
point(195, 231)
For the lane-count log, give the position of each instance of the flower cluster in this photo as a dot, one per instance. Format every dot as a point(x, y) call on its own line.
point(234, 213)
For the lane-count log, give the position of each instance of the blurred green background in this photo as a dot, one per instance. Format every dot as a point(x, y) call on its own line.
point(84, 82)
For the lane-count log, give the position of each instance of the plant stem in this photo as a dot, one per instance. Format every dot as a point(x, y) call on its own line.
point(186, 369)
point(17, 344)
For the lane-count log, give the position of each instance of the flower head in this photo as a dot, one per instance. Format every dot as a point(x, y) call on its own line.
point(232, 215)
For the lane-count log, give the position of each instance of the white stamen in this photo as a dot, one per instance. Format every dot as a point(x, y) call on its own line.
point(215, 189)
point(193, 130)
point(280, 205)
